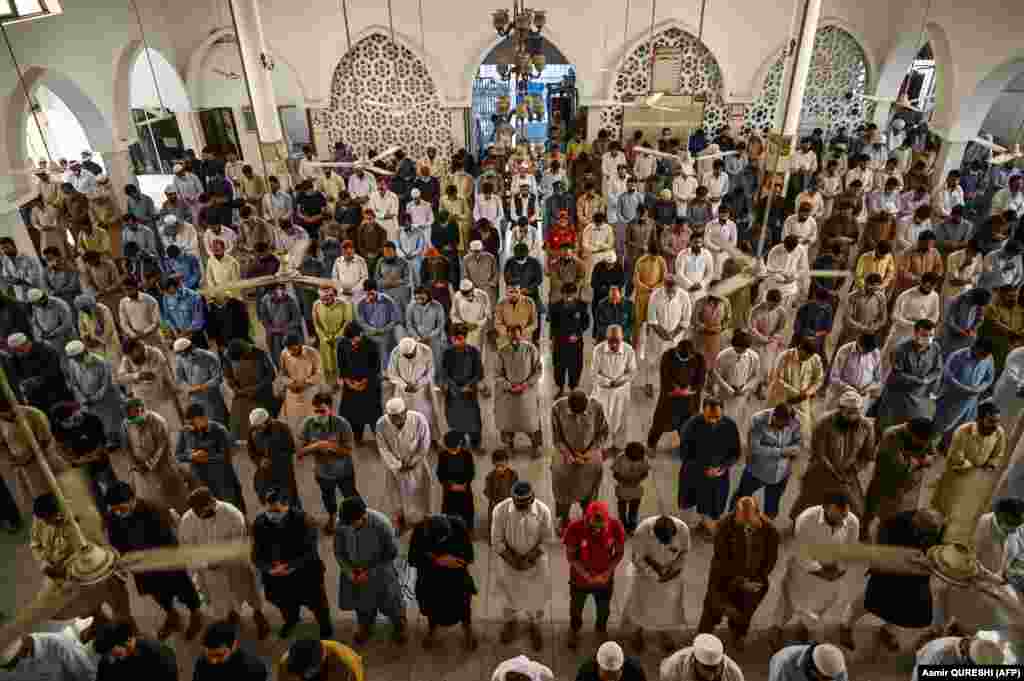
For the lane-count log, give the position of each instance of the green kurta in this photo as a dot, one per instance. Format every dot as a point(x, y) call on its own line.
point(330, 322)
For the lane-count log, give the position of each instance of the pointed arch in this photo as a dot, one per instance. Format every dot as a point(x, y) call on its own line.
point(376, 70)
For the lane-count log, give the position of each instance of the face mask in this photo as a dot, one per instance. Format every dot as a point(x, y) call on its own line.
point(276, 517)
point(136, 420)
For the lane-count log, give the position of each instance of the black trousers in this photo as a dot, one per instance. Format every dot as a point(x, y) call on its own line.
point(313, 598)
point(9, 512)
point(568, 361)
point(629, 511)
point(578, 599)
point(177, 585)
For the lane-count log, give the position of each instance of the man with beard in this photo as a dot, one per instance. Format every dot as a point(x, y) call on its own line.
point(745, 552)
point(281, 317)
point(787, 265)
point(441, 551)
point(517, 402)
point(53, 320)
point(286, 554)
point(359, 376)
point(462, 372)
point(34, 372)
point(569, 321)
point(683, 374)
point(204, 446)
point(271, 447)
point(224, 659)
point(709, 446)
point(227, 586)
point(331, 317)
point(705, 660)
point(520, 528)
point(842, 447)
point(656, 600)
point(18, 271)
point(905, 453)
point(734, 378)
point(411, 373)
point(139, 313)
point(580, 432)
point(482, 269)
point(91, 380)
point(916, 369)
point(403, 440)
point(366, 549)
point(134, 525)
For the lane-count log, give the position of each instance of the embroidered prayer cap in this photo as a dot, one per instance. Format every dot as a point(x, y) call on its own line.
point(851, 400)
point(476, 245)
point(74, 348)
point(170, 220)
point(258, 416)
point(610, 656)
point(407, 346)
point(708, 649)
point(182, 344)
point(396, 405)
point(829, 660)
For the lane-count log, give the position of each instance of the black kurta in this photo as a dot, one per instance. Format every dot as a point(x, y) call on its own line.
point(457, 469)
point(225, 323)
point(459, 369)
point(293, 541)
point(151, 661)
point(444, 594)
point(363, 408)
point(707, 446)
point(37, 375)
point(902, 600)
point(672, 411)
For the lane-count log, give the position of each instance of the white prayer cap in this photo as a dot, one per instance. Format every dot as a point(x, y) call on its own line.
point(666, 194)
point(610, 656)
point(534, 671)
point(466, 286)
point(899, 124)
point(984, 651)
point(396, 405)
point(258, 416)
point(178, 167)
point(35, 295)
point(476, 245)
point(829, 660)
point(74, 348)
point(415, 193)
point(170, 220)
point(17, 340)
point(851, 399)
point(169, 189)
point(708, 649)
point(407, 346)
point(182, 344)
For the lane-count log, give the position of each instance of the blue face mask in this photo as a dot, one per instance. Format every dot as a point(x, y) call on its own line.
point(276, 517)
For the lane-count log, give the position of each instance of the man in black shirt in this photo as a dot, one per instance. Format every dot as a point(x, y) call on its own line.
point(83, 443)
point(223, 659)
point(569, 320)
point(311, 205)
point(124, 656)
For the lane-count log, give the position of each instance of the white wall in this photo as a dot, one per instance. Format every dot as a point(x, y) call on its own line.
point(215, 90)
point(168, 89)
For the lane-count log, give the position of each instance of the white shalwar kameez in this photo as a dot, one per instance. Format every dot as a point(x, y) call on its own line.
point(785, 271)
point(598, 245)
point(613, 377)
point(350, 275)
point(410, 481)
point(475, 311)
point(960, 265)
point(693, 270)
point(670, 313)
point(733, 381)
point(804, 595)
point(1008, 389)
point(718, 187)
point(417, 373)
point(653, 604)
point(806, 231)
point(230, 585)
point(716, 234)
point(159, 393)
point(385, 209)
point(911, 306)
point(527, 591)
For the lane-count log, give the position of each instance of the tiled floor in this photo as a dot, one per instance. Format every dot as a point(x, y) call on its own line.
point(448, 661)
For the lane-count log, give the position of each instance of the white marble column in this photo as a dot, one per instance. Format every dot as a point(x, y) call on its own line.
point(798, 64)
point(458, 132)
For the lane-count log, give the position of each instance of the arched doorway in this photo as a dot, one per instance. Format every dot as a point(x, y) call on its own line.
point(541, 110)
point(59, 134)
point(158, 100)
point(839, 75)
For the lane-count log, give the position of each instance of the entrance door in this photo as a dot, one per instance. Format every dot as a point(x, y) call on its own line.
point(295, 126)
point(486, 92)
point(219, 129)
point(160, 143)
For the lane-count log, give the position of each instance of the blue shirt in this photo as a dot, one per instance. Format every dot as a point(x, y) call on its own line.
point(187, 266)
point(766, 445)
point(380, 316)
point(184, 310)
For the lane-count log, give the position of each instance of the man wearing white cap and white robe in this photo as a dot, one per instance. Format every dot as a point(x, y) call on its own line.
point(58, 656)
point(521, 526)
point(179, 233)
point(472, 306)
point(483, 270)
point(614, 367)
point(656, 597)
point(91, 380)
point(522, 668)
point(189, 188)
point(53, 321)
point(810, 588)
point(403, 440)
point(705, 660)
point(814, 662)
point(959, 651)
point(411, 372)
point(611, 664)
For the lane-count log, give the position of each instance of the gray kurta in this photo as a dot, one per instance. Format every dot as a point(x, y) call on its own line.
point(374, 548)
point(201, 367)
point(907, 393)
point(518, 412)
point(394, 279)
point(280, 318)
point(154, 475)
point(481, 268)
point(588, 432)
point(426, 323)
point(54, 323)
point(92, 383)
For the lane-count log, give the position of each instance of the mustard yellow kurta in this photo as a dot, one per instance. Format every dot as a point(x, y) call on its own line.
point(330, 322)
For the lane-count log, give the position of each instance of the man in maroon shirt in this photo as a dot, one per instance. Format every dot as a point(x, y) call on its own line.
point(594, 545)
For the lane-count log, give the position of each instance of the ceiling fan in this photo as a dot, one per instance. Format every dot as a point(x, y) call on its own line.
point(684, 157)
point(902, 102)
point(754, 270)
point(230, 75)
point(1001, 154)
point(369, 165)
point(629, 102)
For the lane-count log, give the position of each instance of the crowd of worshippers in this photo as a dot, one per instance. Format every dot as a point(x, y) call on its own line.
point(111, 356)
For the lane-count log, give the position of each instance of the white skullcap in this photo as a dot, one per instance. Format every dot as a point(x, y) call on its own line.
point(829, 660)
point(899, 124)
point(17, 340)
point(258, 416)
point(415, 193)
point(610, 656)
point(178, 167)
point(851, 399)
point(74, 348)
point(170, 220)
point(466, 286)
point(534, 671)
point(407, 346)
point(983, 651)
point(666, 194)
point(35, 295)
point(169, 189)
point(182, 344)
point(396, 405)
point(708, 649)
point(476, 245)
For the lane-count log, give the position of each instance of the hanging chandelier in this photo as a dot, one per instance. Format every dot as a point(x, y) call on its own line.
point(525, 60)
